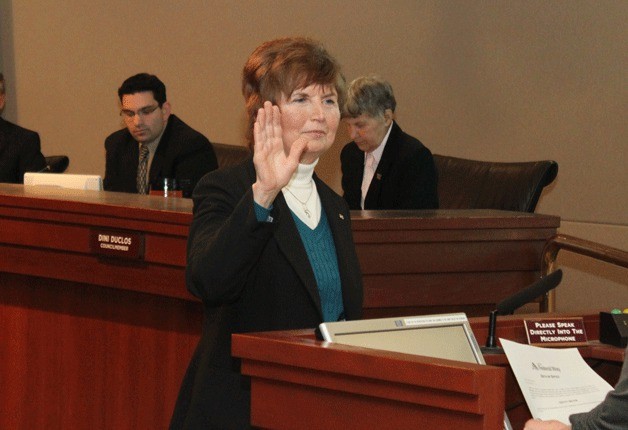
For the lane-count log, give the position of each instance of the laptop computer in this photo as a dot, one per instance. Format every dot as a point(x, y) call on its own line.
point(446, 336)
point(64, 180)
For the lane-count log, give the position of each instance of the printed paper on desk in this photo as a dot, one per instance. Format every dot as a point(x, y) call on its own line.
point(555, 383)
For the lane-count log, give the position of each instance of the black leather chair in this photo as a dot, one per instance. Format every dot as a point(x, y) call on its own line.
point(473, 184)
point(228, 155)
point(57, 163)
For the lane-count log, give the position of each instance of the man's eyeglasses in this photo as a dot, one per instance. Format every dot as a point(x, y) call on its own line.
point(145, 111)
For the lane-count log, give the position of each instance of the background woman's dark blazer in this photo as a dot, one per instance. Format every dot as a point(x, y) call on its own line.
point(20, 152)
point(251, 276)
point(405, 178)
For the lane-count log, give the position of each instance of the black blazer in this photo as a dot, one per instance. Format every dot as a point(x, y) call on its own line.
point(20, 152)
point(612, 412)
point(183, 153)
point(405, 178)
point(251, 276)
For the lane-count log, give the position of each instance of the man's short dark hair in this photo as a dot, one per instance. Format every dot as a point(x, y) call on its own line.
point(144, 82)
point(1, 83)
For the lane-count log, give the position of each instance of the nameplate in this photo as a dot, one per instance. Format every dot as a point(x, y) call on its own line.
point(556, 332)
point(116, 243)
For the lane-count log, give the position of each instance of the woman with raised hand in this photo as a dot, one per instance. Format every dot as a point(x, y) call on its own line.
point(270, 245)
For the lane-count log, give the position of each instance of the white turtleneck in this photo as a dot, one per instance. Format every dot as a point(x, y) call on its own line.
point(302, 197)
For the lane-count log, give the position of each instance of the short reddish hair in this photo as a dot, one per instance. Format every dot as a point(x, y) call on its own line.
point(283, 65)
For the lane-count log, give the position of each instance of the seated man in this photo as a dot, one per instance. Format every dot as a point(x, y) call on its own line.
point(383, 168)
point(19, 148)
point(611, 414)
point(155, 143)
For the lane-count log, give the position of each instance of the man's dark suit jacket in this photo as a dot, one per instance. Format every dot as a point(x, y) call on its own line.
point(612, 413)
point(20, 152)
point(183, 154)
point(405, 178)
point(251, 276)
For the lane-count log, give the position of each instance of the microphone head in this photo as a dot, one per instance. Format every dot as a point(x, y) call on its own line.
point(540, 287)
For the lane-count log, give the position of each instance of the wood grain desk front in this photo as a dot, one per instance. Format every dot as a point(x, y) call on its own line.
point(423, 262)
point(95, 341)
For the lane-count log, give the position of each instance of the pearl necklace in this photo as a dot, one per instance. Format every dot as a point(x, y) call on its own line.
point(303, 204)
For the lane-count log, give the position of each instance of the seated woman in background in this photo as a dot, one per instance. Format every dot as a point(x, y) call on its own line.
point(383, 168)
point(270, 245)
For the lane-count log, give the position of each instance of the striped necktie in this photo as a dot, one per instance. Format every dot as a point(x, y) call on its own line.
point(142, 180)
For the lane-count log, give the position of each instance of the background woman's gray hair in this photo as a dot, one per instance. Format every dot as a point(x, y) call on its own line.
point(370, 95)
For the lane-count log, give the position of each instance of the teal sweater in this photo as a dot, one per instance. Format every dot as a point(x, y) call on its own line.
point(321, 251)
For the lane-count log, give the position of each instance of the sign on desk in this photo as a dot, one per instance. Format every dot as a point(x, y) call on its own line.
point(556, 331)
point(118, 243)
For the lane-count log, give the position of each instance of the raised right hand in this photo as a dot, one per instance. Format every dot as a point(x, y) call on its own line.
point(273, 166)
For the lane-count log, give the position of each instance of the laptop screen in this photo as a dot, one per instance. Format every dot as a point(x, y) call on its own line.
point(64, 180)
point(443, 336)
point(446, 336)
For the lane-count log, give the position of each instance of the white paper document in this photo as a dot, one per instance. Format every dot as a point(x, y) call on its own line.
point(555, 382)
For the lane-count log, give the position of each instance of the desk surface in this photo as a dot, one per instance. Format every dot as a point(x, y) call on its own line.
point(449, 219)
point(97, 202)
point(412, 262)
point(155, 207)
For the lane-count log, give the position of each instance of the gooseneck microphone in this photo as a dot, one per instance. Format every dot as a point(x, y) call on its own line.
point(540, 287)
point(512, 303)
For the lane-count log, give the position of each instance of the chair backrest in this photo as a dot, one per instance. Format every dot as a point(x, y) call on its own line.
point(57, 163)
point(228, 155)
point(473, 184)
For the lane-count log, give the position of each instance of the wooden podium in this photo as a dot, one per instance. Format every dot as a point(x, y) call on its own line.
point(299, 382)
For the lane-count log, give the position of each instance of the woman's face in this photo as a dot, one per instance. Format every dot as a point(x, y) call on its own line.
point(367, 131)
point(311, 112)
